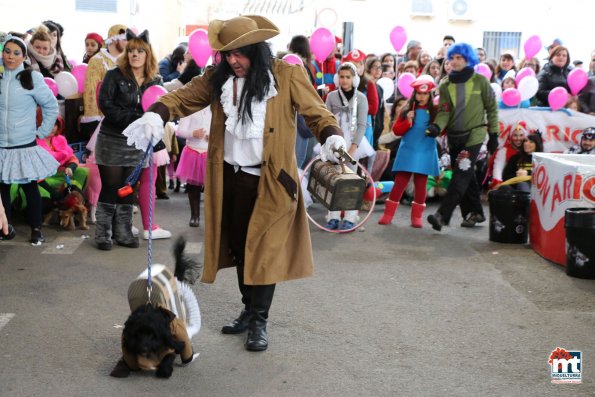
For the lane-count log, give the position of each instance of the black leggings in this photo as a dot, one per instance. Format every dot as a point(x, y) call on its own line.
point(33, 202)
point(112, 179)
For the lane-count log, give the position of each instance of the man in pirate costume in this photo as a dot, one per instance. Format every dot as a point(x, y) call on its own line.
point(466, 102)
point(255, 219)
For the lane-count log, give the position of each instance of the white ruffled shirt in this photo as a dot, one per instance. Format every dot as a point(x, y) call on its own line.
point(244, 141)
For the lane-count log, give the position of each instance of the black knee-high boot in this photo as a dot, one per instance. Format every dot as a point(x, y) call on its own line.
point(240, 324)
point(262, 297)
point(194, 200)
point(103, 226)
point(123, 226)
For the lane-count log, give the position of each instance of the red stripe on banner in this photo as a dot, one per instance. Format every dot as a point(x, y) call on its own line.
point(549, 244)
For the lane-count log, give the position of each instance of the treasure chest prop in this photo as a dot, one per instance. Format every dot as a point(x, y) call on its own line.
point(337, 187)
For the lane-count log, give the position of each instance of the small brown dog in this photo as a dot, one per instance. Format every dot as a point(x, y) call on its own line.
point(70, 206)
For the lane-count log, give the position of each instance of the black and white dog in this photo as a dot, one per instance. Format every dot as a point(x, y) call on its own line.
point(161, 324)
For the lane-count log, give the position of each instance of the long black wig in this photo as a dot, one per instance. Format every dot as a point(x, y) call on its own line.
point(258, 78)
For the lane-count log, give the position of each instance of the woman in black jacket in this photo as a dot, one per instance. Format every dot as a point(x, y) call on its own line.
point(120, 101)
point(521, 164)
point(554, 74)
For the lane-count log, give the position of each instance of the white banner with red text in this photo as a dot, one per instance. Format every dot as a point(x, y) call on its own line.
point(560, 129)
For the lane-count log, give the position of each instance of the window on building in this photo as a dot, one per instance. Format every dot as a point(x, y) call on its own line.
point(495, 43)
point(97, 5)
point(422, 8)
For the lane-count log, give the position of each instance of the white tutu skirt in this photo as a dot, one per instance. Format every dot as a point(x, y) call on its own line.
point(26, 165)
point(160, 158)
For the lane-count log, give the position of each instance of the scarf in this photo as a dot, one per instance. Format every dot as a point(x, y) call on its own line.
point(52, 62)
point(460, 77)
point(351, 109)
point(250, 128)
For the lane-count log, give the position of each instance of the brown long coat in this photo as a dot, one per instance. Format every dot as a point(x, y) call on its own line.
point(278, 245)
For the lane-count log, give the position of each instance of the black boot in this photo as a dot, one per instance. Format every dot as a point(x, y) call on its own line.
point(436, 221)
point(103, 227)
point(123, 226)
point(194, 199)
point(36, 236)
point(238, 325)
point(177, 188)
point(262, 297)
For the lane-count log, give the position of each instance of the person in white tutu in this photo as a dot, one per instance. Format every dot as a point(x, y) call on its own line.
point(193, 161)
point(22, 161)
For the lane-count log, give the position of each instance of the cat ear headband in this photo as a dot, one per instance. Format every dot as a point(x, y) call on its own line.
point(144, 36)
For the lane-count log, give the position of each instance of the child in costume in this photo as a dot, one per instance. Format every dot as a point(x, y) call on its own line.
point(350, 107)
point(193, 161)
point(417, 153)
point(69, 170)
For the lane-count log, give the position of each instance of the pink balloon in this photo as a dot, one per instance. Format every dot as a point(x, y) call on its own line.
point(577, 80)
point(484, 70)
point(322, 43)
point(532, 46)
point(524, 72)
point(404, 84)
point(511, 97)
point(151, 95)
point(398, 37)
point(293, 59)
point(436, 100)
point(80, 72)
point(199, 47)
point(72, 62)
point(557, 98)
point(52, 84)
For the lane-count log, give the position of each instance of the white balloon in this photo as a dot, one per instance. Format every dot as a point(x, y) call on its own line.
point(388, 85)
point(497, 90)
point(528, 87)
point(67, 84)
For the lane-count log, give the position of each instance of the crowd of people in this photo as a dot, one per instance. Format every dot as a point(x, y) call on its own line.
point(240, 129)
point(463, 114)
point(379, 129)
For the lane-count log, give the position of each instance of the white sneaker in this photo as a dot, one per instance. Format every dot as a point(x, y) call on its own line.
point(157, 234)
point(134, 231)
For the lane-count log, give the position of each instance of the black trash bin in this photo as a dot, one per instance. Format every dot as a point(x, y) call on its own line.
point(509, 216)
point(580, 242)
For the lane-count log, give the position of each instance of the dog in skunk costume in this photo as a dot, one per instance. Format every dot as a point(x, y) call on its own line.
point(156, 332)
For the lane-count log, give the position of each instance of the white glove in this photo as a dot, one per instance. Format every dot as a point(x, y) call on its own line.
point(149, 128)
point(194, 357)
point(332, 144)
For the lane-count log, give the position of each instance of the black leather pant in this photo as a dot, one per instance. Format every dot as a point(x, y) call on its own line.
point(464, 190)
point(240, 190)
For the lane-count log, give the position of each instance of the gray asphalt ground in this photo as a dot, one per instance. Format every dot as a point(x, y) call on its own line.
point(390, 311)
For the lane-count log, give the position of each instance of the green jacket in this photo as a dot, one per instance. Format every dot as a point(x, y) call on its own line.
point(468, 113)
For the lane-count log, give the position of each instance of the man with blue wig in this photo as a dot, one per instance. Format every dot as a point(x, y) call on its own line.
point(467, 110)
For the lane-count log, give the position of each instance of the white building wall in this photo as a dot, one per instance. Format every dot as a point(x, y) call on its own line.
point(373, 20)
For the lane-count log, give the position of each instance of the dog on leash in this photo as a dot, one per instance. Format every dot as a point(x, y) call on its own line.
point(71, 207)
point(163, 321)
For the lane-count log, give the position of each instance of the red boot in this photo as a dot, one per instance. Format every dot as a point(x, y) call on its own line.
point(417, 211)
point(390, 207)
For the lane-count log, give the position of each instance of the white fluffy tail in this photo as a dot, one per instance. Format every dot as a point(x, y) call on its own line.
point(193, 319)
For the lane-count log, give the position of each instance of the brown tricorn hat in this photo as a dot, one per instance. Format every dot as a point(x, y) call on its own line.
point(240, 31)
